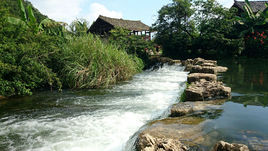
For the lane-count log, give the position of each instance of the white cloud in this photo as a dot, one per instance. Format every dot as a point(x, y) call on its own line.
point(226, 3)
point(97, 9)
point(59, 10)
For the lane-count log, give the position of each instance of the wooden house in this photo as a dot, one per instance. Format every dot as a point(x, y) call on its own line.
point(103, 25)
point(255, 5)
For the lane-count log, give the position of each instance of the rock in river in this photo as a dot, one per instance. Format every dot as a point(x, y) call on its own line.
point(147, 142)
point(206, 90)
point(224, 146)
point(171, 134)
point(198, 76)
point(199, 61)
point(202, 69)
point(199, 65)
point(184, 108)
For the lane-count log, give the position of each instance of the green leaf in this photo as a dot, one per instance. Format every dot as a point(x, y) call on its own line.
point(22, 11)
point(265, 12)
point(17, 21)
point(237, 18)
point(32, 19)
point(249, 11)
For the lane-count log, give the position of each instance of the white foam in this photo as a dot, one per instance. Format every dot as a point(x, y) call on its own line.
point(147, 97)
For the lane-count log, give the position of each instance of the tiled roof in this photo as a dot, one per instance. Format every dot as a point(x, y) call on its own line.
point(255, 5)
point(126, 24)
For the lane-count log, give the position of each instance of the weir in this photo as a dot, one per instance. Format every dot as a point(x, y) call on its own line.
point(97, 120)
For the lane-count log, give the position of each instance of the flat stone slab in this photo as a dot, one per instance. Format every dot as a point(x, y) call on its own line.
point(193, 77)
point(221, 69)
point(199, 61)
point(184, 131)
point(199, 65)
point(202, 69)
point(185, 108)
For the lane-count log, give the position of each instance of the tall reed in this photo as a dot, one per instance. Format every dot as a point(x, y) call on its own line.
point(90, 63)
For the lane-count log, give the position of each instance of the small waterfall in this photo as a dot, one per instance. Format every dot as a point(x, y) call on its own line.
point(101, 121)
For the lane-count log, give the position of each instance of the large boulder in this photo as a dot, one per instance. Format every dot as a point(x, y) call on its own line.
point(198, 76)
point(206, 90)
point(147, 142)
point(224, 146)
point(185, 108)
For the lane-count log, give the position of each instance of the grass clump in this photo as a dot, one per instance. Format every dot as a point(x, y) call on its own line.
point(90, 63)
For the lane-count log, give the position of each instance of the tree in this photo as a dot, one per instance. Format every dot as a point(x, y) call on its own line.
point(217, 35)
point(203, 28)
point(175, 28)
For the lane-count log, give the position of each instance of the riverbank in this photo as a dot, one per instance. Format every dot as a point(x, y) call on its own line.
point(184, 129)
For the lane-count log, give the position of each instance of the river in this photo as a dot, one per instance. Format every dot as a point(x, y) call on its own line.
point(89, 120)
point(110, 119)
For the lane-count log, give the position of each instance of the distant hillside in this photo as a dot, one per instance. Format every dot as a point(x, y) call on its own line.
point(13, 9)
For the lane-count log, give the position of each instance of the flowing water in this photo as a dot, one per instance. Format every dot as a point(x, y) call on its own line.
point(92, 120)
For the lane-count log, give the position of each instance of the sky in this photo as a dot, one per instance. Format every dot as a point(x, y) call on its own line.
point(69, 10)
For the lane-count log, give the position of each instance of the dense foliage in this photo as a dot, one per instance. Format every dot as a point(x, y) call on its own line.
point(13, 9)
point(24, 59)
point(188, 28)
point(132, 44)
point(44, 55)
point(89, 63)
point(254, 30)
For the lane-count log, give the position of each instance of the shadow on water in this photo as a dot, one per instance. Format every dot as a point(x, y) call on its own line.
point(248, 79)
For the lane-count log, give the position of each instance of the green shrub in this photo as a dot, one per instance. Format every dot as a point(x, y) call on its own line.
point(24, 59)
point(89, 63)
point(132, 44)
